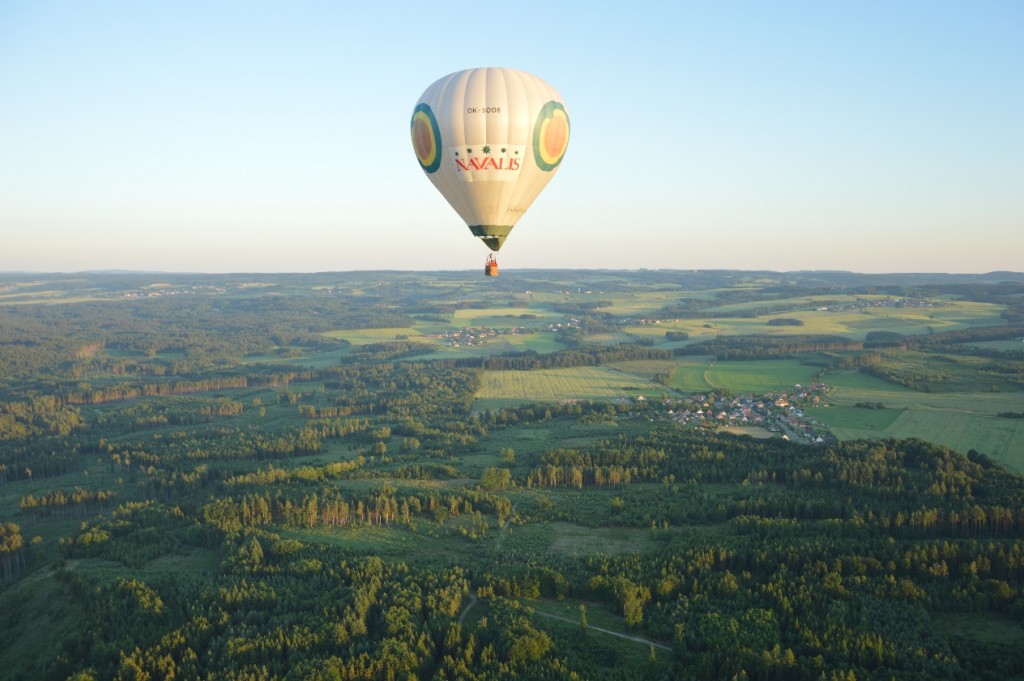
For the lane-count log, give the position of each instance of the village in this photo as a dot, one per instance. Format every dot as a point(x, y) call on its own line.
point(774, 412)
point(781, 412)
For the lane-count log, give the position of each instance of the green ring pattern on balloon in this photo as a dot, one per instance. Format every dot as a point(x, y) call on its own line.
point(430, 158)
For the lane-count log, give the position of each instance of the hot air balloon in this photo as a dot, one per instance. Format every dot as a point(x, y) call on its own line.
point(490, 139)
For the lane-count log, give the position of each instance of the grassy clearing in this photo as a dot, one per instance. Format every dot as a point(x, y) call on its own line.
point(690, 375)
point(989, 628)
point(195, 561)
point(606, 637)
point(849, 388)
point(366, 336)
point(621, 303)
point(38, 611)
point(56, 301)
point(952, 373)
point(618, 652)
point(1002, 439)
point(861, 383)
point(309, 360)
point(608, 338)
point(645, 368)
point(701, 374)
point(598, 614)
point(944, 317)
point(1003, 345)
point(93, 476)
point(656, 332)
point(960, 421)
point(429, 543)
point(847, 422)
point(809, 302)
point(528, 440)
point(541, 343)
point(755, 432)
point(852, 323)
point(708, 328)
point(504, 317)
point(557, 385)
point(637, 303)
point(578, 541)
point(759, 376)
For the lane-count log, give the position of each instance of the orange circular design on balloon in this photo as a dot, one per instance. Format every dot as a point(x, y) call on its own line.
point(550, 136)
point(426, 138)
point(423, 140)
point(556, 135)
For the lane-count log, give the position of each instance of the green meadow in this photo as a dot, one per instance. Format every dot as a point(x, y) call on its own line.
point(853, 323)
point(759, 376)
point(701, 374)
point(958, 420)
point(367, 336)
point(558, 385)
point(503, 317)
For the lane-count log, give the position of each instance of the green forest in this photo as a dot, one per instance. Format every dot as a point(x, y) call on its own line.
point(548, 475)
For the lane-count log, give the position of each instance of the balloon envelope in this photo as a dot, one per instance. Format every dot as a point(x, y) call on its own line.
point(490, 139)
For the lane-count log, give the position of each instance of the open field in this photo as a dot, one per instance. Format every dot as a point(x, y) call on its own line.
point(696, 374)
point(690, 375)
point(960, 421)
point(946, 425)
point(541, 343)
point(988, 628)
point(1003, 345)
point(599, 617)
point(759, 376)
point(576, 540)
point(531, 439)
point(504, 317)
point(366, 336)
point(567, 539)
point(428, 543)
point(756, 432)
point(557, 385)
point(700, 374)
point(311, 360)
point(851, 386)
point(621, 302)
point(853, 323)
point(645, 368)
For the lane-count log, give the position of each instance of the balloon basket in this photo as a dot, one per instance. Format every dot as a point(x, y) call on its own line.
point(491, 267)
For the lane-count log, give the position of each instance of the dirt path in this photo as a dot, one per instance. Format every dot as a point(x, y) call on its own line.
point(638, 639)
point(708, 380)
point(472, 602)
point(501, 533)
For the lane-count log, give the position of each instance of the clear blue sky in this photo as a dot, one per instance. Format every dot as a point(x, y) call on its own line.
point(250, 136)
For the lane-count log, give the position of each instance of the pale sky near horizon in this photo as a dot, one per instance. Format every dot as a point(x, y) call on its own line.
point(870, 136)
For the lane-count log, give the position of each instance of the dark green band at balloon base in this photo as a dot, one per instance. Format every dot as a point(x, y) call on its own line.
point(492, 235)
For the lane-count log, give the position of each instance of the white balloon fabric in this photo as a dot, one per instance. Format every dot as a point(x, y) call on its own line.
point(490, 139)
